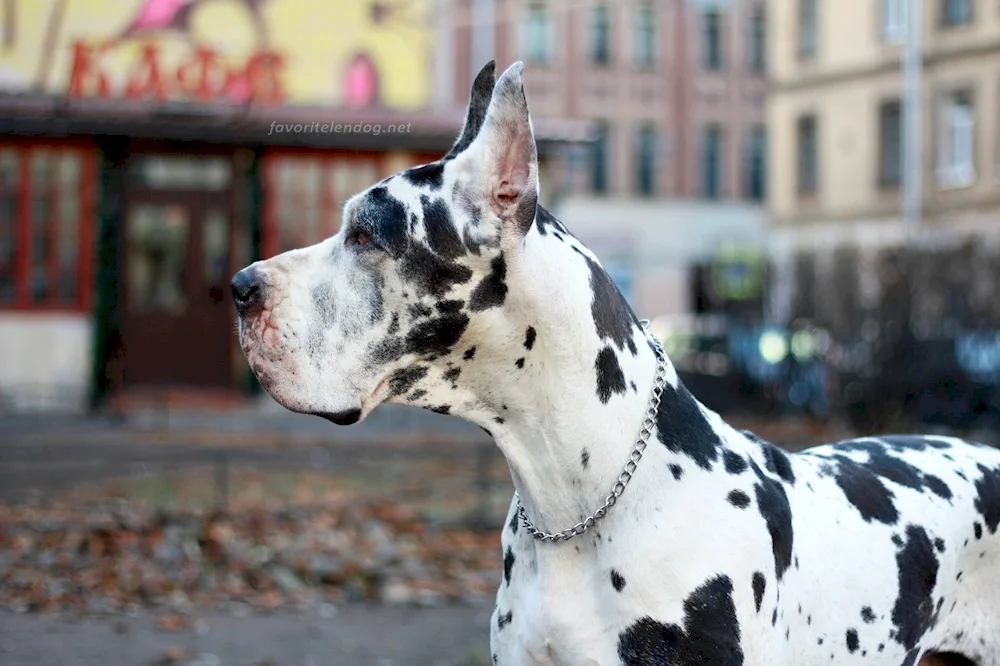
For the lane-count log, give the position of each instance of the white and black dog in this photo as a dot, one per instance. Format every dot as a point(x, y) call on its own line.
point(450, 288)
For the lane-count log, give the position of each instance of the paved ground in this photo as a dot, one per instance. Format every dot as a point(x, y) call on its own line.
point(354, 636)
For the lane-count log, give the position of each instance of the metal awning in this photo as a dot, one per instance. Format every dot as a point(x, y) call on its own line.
point(291, 126)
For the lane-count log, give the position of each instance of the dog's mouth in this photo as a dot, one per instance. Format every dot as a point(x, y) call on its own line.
point(272, 362)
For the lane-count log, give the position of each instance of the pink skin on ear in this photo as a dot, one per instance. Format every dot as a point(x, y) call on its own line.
point(513, 171)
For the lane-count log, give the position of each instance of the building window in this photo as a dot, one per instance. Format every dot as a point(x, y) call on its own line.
point(756, 163)
point(537, 34)
point(645, 157)
point(305, 194)
point(645, 36)
point(599, 159)
point(47, 213)
point(711, 161)
point(890, 128)
point(956, 140)
point(808, 20)
point(956, 12)
point(711, 22)
point(600, 49)
point(758, 41)
point(893, 20)
point(808, 155)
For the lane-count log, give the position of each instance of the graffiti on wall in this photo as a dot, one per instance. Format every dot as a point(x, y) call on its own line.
point(360, 54)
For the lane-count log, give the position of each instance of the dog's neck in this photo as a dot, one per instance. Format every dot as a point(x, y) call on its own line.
point(565, 445)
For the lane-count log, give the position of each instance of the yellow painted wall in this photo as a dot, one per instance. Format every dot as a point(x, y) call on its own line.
point(314, 40)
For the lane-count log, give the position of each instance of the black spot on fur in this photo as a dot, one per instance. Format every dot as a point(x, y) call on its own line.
point(585, 458)
point(429, 273)
point(851, 639)
point(469, 353)
point(442, 235)
point(452, 374)
point(529, 338)
point(739, 499)
point(519, 362)
point(383, 217)
point(710, 635)
point(394, 324)
point(774, 617)
point(508, 564)
point(759, 584)
point(613, 318)
point(492, 290)
point(889, 467)
point(475, 115)
point(777, 462)
point(617, 581)
point(988, 497)
point(937, 486)
point(429, 175)
point(866, 492)
point(436, 336)
point(386, 350)
point(977, 530)
point(504, 620)
point(514, 522)
point(677, 471)
point(450, 307)
point(735, 463)
point(681, 426)
point(418, 394)
point(419, 311)
point(867, 615)
point(442, 409)
point(913, 611)
point(498, 420)
point(610, 378)
point(777, 513)
point(547, 223)
point(403, 380)
point(939, 544)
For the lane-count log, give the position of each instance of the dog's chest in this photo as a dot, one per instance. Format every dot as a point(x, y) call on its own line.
point(551, 622)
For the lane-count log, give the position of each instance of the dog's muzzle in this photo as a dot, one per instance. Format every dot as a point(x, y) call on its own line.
point(248, 291)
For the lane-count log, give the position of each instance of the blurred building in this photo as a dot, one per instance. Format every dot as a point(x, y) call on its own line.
point(676, 92)
point(835, 120)
point(150, 148)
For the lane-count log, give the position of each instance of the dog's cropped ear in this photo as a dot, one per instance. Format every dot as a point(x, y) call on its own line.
point(507, 155)
point(479, 101)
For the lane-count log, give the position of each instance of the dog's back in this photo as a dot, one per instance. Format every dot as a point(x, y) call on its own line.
point(896, 552)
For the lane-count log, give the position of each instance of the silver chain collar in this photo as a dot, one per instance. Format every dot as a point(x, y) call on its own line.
point(626, 474)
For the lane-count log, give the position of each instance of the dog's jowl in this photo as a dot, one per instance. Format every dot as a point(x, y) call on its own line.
point(450, 288)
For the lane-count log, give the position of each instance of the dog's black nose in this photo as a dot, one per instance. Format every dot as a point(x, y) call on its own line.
point(248, 290)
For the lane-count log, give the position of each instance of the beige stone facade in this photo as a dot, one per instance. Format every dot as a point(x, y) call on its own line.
point(832, 114)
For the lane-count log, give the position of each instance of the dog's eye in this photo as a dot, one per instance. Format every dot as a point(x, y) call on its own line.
point(360, 239)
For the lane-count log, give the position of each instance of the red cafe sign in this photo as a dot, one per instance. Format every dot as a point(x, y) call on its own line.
point(202, 76)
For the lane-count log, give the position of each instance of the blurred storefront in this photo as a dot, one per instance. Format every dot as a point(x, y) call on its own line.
point(149, 148)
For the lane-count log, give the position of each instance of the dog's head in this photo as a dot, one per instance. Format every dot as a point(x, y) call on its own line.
point(388, 308)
